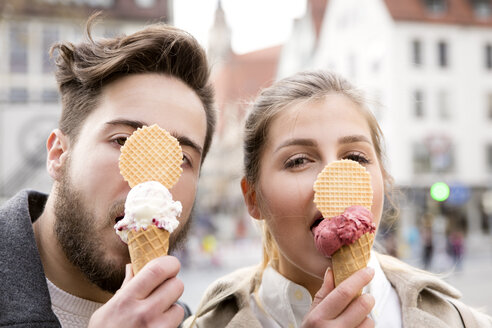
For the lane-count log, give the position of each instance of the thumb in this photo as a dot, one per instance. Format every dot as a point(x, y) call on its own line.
point(326, 288)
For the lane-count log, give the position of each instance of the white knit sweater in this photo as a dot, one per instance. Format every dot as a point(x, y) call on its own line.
point(72, 311)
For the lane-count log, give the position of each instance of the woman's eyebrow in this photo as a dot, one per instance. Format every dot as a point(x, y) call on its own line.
point(354, 139)
point(297, 142)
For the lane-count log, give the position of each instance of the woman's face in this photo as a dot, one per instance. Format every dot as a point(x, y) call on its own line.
point(302, 140)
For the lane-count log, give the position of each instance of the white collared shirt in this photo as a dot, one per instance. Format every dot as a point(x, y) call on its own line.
point(282, 303)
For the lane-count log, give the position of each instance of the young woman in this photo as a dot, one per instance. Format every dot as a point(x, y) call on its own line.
point(297, 127)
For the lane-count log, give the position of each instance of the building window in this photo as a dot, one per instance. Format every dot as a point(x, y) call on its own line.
point(421, 158)
point(3, 95)
point(418, 103)
point(489, 106)
point(436, 6)
point(50, 37)
point(488, 56)
point(112, 31)
point(482, 8)
point(489, 157)
point(49, 96)
point(18, 95)
point(443, 105)
point(434, 155)
point(417, 52)
point(145, 3)
point(442, 48)
point(18, 49)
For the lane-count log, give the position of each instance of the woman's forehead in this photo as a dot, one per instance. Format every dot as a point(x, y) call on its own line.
point(334, 115)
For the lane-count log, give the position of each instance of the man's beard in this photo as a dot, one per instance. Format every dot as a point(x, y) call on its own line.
point(76, 230)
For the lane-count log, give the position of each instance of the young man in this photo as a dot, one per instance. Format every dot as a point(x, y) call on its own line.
point(61, 260)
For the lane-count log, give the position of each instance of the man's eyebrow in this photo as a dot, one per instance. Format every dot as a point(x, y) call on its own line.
point(353, 139)
point(131, 123)
point(185, 141)
point(296, 142)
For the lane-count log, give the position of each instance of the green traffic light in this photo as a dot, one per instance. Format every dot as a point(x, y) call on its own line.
point(439, 191)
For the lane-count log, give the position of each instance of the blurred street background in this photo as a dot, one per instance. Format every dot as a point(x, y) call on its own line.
point(425, 64)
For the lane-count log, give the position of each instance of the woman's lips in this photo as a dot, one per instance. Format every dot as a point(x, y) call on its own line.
point(316, 223)
point(316, 220)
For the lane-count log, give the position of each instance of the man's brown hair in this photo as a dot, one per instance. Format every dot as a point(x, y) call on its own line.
point(84, 69)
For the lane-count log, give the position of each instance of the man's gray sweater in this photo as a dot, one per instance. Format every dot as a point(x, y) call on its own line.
point(24, 297)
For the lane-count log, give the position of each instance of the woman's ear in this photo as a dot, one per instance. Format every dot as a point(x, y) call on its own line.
point(57, 147)
point(249, 195)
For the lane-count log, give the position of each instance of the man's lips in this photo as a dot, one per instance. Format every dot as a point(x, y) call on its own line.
point(118, 218)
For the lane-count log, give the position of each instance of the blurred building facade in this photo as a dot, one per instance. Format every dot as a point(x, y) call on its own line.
point(428, 63)
point(237, 79)
point(29, 100)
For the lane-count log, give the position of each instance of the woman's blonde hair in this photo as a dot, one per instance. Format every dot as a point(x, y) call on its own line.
point(301, 87)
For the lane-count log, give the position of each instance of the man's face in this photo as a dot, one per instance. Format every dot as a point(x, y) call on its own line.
point(91, 191)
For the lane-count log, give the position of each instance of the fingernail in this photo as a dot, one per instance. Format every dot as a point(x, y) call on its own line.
point(369, 271)
point(128, 269)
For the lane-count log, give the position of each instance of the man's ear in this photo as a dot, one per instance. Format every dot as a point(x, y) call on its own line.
point(249, 195)
point(57, 147)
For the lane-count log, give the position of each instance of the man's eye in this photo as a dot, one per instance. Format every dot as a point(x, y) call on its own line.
point(186, 161)
point(121, 140)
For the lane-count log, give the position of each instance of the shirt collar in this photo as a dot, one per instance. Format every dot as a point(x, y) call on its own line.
point(285, 301)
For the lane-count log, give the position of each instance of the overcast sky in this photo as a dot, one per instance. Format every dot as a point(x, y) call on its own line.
point(255, 24)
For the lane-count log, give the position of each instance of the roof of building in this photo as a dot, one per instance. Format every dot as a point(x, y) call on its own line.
point(117, 9)
point(461, 12)
point(239, 78)
point(318, 8)
point(242, 76)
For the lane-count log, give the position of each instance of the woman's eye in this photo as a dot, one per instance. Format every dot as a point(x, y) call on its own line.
point(357, 157)
point(120, 141)
point(186, 161)
point(296, 162)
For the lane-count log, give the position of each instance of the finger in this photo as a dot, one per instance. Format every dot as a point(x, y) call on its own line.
point(367, 323)
point(164, 296)
point(343, 294)
point(152, 275)
point(356, 313)
point(128, 274)
point(172, 317)
point(326, 288)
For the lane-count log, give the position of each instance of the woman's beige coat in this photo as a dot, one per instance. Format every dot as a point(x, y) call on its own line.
point(426, 300)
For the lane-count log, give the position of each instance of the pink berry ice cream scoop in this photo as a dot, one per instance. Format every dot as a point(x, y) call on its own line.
point(344, 229)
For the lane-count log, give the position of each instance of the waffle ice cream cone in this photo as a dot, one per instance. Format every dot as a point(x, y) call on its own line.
point(351, 258)
point(340, 185)
point(146, 245)
point(150, 162)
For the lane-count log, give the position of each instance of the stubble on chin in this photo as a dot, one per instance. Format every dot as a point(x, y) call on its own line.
point(77, 231)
